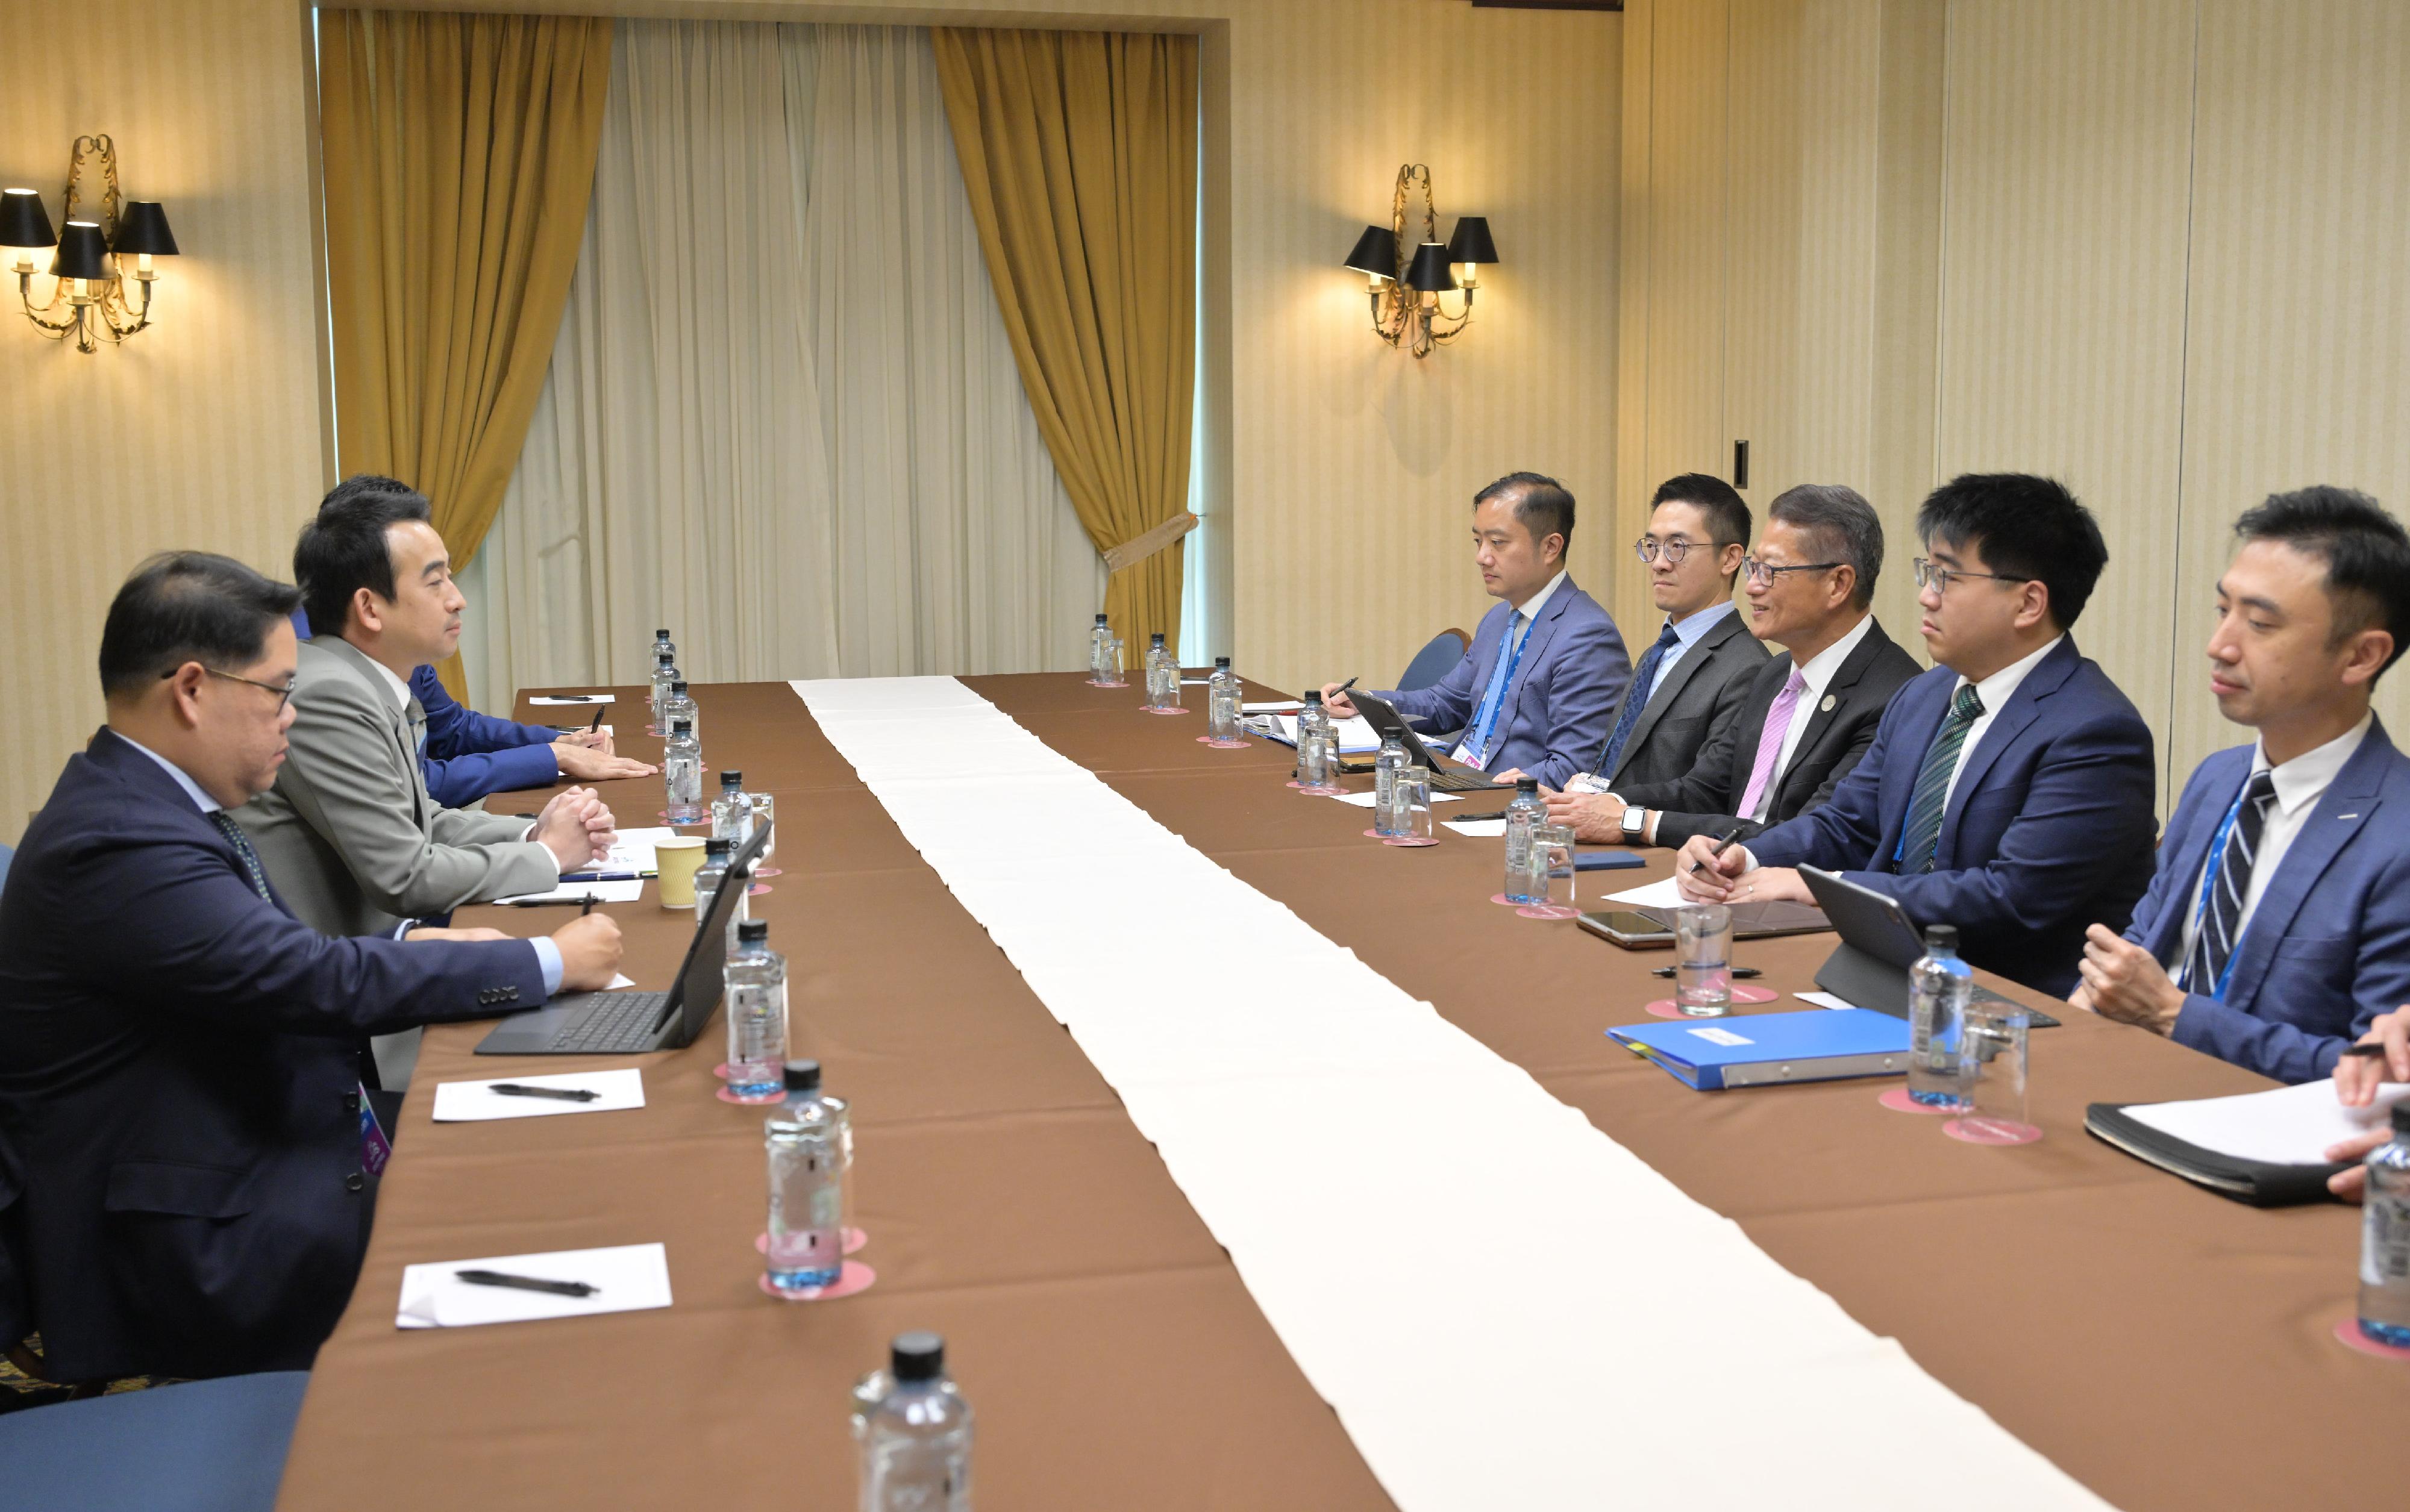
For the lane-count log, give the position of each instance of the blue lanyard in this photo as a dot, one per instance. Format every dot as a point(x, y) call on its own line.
point(1490, 725)
point(2209, 881)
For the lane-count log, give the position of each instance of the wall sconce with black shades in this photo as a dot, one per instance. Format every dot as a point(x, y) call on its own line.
point(1407, 284)
point(95, 258)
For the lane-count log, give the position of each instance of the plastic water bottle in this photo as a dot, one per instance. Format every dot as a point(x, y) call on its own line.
point(679, 704)
point(1315, 746)
point(1385, 767)
point(1938, 987)
point(916, 1443)
point(1162, 674)
point(1098, 639)
point(732, 812)
point(1524, 813)
point(682, 771)
point(757, 1012)
point(2385, 1239)
point(663, 645)
point(665, 672)
point(806, 1245)
point(1222, 698)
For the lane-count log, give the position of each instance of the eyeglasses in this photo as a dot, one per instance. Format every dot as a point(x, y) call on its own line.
point(283, 692)
point(1934, 576)
point(1759, 572)
point(1647, 547)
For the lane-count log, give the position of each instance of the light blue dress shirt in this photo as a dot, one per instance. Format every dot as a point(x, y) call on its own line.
point(1687, 633)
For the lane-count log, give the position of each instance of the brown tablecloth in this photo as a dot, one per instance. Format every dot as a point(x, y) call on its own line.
point(2168, 1348)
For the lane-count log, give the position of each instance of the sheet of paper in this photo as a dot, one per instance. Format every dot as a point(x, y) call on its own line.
point(586, 700)
point(1356, 736)
point(632, 1277)
point(632, 849)
point(620, 891)
point(1278, 706)
point(1824, 1000)
point(1663, 894)
point(476, 1102)
point(2288, 1127)
point(618, 980)
point(1478, 828)
point(1364, 800)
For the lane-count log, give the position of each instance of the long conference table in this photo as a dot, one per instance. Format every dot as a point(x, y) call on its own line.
point(2168, 1348)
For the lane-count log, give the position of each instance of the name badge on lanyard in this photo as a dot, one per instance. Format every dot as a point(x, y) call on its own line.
point(376, 1149)
point(1478, 757)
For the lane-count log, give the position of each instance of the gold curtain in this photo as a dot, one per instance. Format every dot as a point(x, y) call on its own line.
point(459, 157)
point(1080, 153)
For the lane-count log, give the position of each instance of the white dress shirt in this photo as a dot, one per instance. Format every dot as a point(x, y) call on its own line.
point(2299, 783)
point(1817, 674)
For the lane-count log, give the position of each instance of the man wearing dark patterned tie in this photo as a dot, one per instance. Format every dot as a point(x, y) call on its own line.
point(2009, 790)
point(180, 1057)
point(2277, 929)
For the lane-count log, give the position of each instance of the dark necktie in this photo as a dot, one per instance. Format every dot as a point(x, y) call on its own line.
point(2230, 884)
point(242, 843)
point(1922, 839)
point(1644, 678)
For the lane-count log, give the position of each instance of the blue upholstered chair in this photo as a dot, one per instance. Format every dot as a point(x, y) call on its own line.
point(201, 1446)
point(1432, 662)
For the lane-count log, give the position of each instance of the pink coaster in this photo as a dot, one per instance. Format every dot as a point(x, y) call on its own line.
point(720, 1070)
point(1743, 993)
point(768, 871)
point(856, 1276)
point(1898, 1101)
point(854, 1240)
point(1545, 910)
point(1221, 745)
point(1990, 1131)
point(2347, 1334)
point(1406, 842)
point(1118, 682)
point(762, 1101)
point(1324, 790)
point(1507, 902)
point(1663, 1008)
point(757, 889)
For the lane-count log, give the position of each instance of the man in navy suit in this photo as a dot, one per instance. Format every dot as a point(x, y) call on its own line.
point(2010, 791)
point(180, 1057)
point(1538, 687)
point(2278, 926)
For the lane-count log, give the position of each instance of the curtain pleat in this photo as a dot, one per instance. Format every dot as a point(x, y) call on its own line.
point(459, 158)
point(783, 416)
point(1079, 151)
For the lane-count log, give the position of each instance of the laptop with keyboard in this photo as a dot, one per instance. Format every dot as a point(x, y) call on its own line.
point(1385, 721)
point(627, 1021)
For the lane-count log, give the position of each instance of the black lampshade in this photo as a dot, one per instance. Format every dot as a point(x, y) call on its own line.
point(1376, 253)
point(1428, 271)
point(1471, 241)
point(23, 223)
point(143, 228)
point(83, 252)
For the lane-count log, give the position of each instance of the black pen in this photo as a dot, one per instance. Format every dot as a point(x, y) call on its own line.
point(1744, 972)
point(514, 1089)
point(585, 906)
point(1721, 846)
point(521, 1282)
point(1349, 683)
point(596, 723)
point(2372, 1051)
point(1475, 819)
point(588, 901)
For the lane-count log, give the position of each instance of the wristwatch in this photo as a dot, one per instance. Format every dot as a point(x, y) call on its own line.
point(1635, 821)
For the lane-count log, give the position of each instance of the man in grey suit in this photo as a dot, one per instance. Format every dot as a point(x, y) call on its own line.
point(1808, 714)
point(1688, 688)
point(348, 835)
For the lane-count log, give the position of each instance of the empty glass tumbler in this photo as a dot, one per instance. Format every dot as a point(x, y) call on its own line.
point(1702, 936)
point(1993, 1073)
point(1551, 873)
point(1410, 808)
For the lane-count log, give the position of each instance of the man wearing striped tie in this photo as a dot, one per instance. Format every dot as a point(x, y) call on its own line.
point(2278, 927)
point(2010, 791)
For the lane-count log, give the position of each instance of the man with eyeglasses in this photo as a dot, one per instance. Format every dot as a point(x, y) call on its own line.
point(1687, 691)
point(349, 833)
point(2009, 790)
point(1807, 715)
point(181, 1059)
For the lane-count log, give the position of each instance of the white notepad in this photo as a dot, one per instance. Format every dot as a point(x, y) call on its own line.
point(476, 1102)
point(632, 1277)
point(1477, 828)
point(2287, 1126)
point(1659, 895)
point(615, 891)
point(1364, 800)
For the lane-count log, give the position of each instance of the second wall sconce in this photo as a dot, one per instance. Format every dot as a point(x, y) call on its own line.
point(1408, 277)
point(95, 260)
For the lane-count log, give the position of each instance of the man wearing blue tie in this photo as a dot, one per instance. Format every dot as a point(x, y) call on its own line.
point(1535, 692)
point(2278, 926)
point(2010, 790)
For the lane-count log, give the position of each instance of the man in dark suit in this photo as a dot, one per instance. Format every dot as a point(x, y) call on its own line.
point(1536, 688)
point(2010, 790)
point(2277, 928)
point(181, 1057)
point(1687, 691)
point(1809, 714)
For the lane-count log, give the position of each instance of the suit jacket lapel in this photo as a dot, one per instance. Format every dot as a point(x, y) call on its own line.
point(2045, 679)
point(1828, 709)
point(1535, 646)
point(1669, 687)
point(397, 719)
point(2184, 861)
point(2349, 803)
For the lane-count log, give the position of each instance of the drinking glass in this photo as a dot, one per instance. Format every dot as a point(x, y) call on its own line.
point(1703, 960)
point(1992, 1075)
point(1552, 873)
point(1109, 673)
point(1410, 808)
point(765, 817)
point(1318, 756)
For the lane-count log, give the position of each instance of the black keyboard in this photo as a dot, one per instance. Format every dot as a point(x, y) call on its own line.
point(1448, 780)
point(617, 1022)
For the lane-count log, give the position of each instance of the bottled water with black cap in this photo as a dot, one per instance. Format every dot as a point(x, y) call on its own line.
point(682, 773)
point(916, 1440)
point(807, 1244)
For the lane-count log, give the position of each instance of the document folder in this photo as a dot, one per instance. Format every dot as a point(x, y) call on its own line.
point(1822, 1044)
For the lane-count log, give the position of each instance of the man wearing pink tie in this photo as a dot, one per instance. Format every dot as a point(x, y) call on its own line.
point(1809, 714)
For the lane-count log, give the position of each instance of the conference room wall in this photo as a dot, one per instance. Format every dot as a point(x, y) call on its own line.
point(204, 430)
point(2137, 246)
